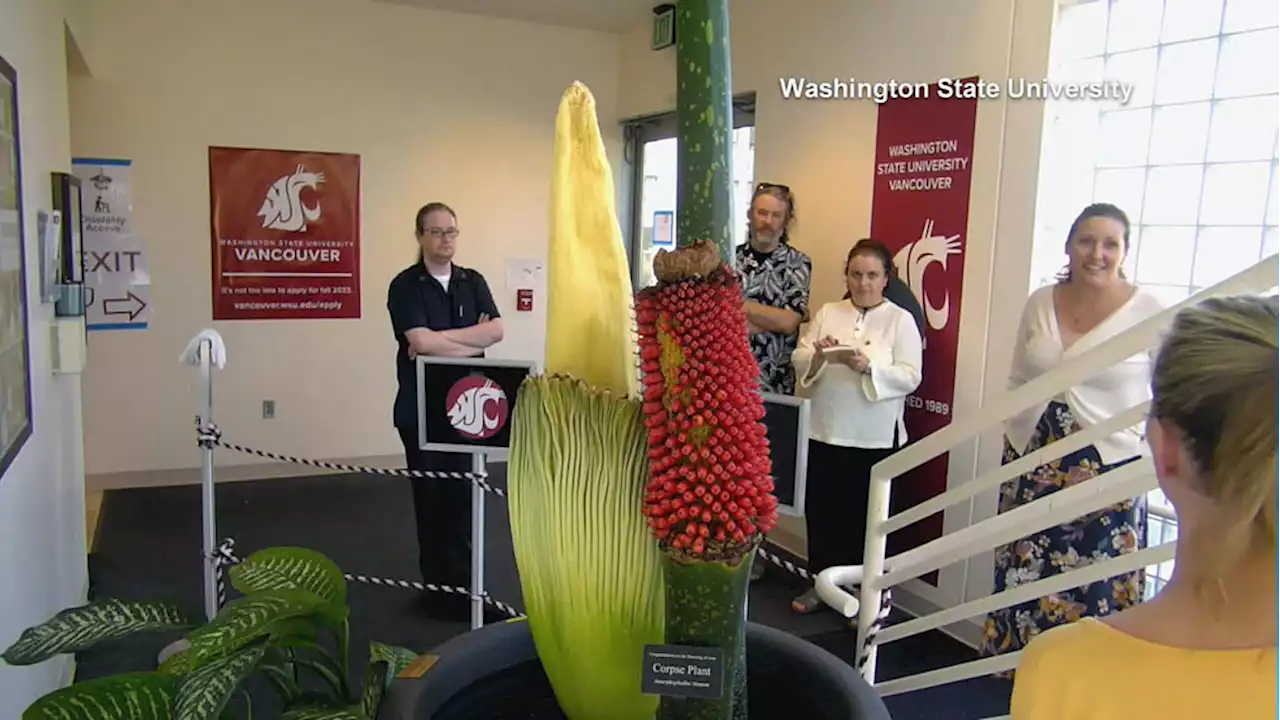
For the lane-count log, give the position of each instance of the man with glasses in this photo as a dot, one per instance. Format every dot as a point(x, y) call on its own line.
point(441, 309)
point(775, 286)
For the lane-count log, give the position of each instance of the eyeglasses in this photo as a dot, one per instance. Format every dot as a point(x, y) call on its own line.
point(440, 233)
point(762, 187)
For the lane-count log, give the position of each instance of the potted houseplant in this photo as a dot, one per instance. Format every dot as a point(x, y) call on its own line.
point(291, 624)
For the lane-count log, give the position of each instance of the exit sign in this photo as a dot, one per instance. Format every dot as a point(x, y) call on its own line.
point(664, 27)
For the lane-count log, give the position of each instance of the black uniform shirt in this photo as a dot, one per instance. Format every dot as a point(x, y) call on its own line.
point(415, 299)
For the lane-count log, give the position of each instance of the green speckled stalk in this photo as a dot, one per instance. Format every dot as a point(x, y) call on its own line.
point(704, 110)
point(707, 607)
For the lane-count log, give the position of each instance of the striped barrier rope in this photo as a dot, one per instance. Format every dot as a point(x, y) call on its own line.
point(211, 436)
point(226, 557)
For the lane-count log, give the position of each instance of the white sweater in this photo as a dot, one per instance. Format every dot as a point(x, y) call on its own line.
point(852, 409)
point(1038, 349)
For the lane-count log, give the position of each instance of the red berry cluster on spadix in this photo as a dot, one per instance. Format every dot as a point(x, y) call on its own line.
point(710, 490)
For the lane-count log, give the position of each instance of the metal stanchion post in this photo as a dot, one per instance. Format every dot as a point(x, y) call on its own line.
point(206, 482)
point(478, 466)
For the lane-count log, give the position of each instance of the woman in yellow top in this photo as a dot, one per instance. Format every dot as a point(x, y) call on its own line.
point(1205, 646)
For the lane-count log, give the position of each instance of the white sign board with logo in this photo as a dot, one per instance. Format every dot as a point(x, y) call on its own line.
point(116, 279)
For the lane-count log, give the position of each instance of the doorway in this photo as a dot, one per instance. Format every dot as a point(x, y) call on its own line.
point(653, 148)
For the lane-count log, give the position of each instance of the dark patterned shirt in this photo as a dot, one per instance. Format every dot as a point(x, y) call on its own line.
point(779, 279)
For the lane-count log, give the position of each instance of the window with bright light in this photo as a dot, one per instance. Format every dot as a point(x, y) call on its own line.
point(1191, 158)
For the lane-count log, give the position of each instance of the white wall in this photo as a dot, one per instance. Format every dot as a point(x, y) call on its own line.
point(42, 542)
point(824, 149)
point(440, 106)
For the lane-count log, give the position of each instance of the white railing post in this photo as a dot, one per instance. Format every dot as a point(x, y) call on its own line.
point(207, 482)
point(206, 352)
point(872, 569)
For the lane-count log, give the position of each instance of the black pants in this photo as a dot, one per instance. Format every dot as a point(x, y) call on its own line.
point(442, 508)
point(835, 503)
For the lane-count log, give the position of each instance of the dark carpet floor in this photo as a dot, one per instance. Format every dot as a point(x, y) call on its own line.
point(149, 544)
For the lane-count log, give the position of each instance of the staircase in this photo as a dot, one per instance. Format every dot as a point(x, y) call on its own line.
point(880, 573)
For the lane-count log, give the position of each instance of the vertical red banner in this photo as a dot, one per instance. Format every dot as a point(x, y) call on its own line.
point(920, 210)
point(285, 234)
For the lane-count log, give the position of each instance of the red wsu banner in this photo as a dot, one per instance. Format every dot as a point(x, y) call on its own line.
point(286, 234)
point(920, 210)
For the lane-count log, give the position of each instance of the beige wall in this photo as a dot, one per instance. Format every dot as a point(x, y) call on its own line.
point(42, 562)
point(440, 106)
point(824, 149)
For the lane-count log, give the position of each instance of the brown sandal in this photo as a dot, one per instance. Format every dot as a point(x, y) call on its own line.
point(806, 603)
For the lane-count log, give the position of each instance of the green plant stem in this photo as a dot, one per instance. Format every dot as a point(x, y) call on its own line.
point(248, 704)
point(327, 673)
point(704, 114)
point(707, 607)
point(344, 657)
point(285, 685)
point(338, 663)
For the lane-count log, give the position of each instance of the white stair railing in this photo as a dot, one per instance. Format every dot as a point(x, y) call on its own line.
point(1131, 480)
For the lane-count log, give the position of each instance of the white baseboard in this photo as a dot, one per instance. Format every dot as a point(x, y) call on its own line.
point(231, 473)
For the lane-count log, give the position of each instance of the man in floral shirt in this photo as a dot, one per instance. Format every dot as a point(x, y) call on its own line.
point(775, 288)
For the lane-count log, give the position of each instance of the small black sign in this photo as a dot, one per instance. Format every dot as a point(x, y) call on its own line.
point(683, 671)
point(465, 404)
point(786, 421)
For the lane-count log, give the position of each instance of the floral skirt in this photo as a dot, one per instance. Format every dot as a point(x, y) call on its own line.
point(1088, 540)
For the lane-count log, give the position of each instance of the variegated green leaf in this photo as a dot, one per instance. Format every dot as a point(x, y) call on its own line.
point(79, 628)
point(203, 694)
point(247, 619)
point(136, 696)
point(397, 657)
point(179, 663)
point(385, 663)
point(283, 568)
point(377, 676)
point(324, 712)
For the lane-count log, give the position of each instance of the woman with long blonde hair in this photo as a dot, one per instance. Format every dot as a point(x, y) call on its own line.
point(1205, 646)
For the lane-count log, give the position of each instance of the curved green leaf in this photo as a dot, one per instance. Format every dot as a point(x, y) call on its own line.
point(284, 568)
point(204, 693)
point(324, 712)
point(397, 657)
point(248, 618)
point(135, 696)
point(179, 663)
point(377, 676)
point(385, 663)
point(79, 628)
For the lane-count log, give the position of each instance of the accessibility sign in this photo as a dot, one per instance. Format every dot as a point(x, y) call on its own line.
point(117, 282)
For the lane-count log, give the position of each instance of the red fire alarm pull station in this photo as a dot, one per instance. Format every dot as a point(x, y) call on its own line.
point(524, 300)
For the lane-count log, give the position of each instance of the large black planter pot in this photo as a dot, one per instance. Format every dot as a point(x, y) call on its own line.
point(493, 674)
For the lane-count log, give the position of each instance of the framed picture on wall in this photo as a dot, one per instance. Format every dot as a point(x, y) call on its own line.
point(15, 357)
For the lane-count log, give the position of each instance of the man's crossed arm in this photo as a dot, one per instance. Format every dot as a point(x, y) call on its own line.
point(459, 342)
point(762, 318)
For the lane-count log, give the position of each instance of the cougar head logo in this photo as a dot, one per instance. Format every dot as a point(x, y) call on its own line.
point(283, 208)
point(915, 258)
point(477, 407)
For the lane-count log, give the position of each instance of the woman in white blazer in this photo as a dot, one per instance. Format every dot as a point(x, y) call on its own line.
point(859, 358)
point(1091, 303)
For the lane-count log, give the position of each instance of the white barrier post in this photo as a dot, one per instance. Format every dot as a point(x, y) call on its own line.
point(870, 594)
point(207, 482)
point(479, 465)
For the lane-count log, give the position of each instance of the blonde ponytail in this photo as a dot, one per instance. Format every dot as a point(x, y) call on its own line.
point(1216, 380)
